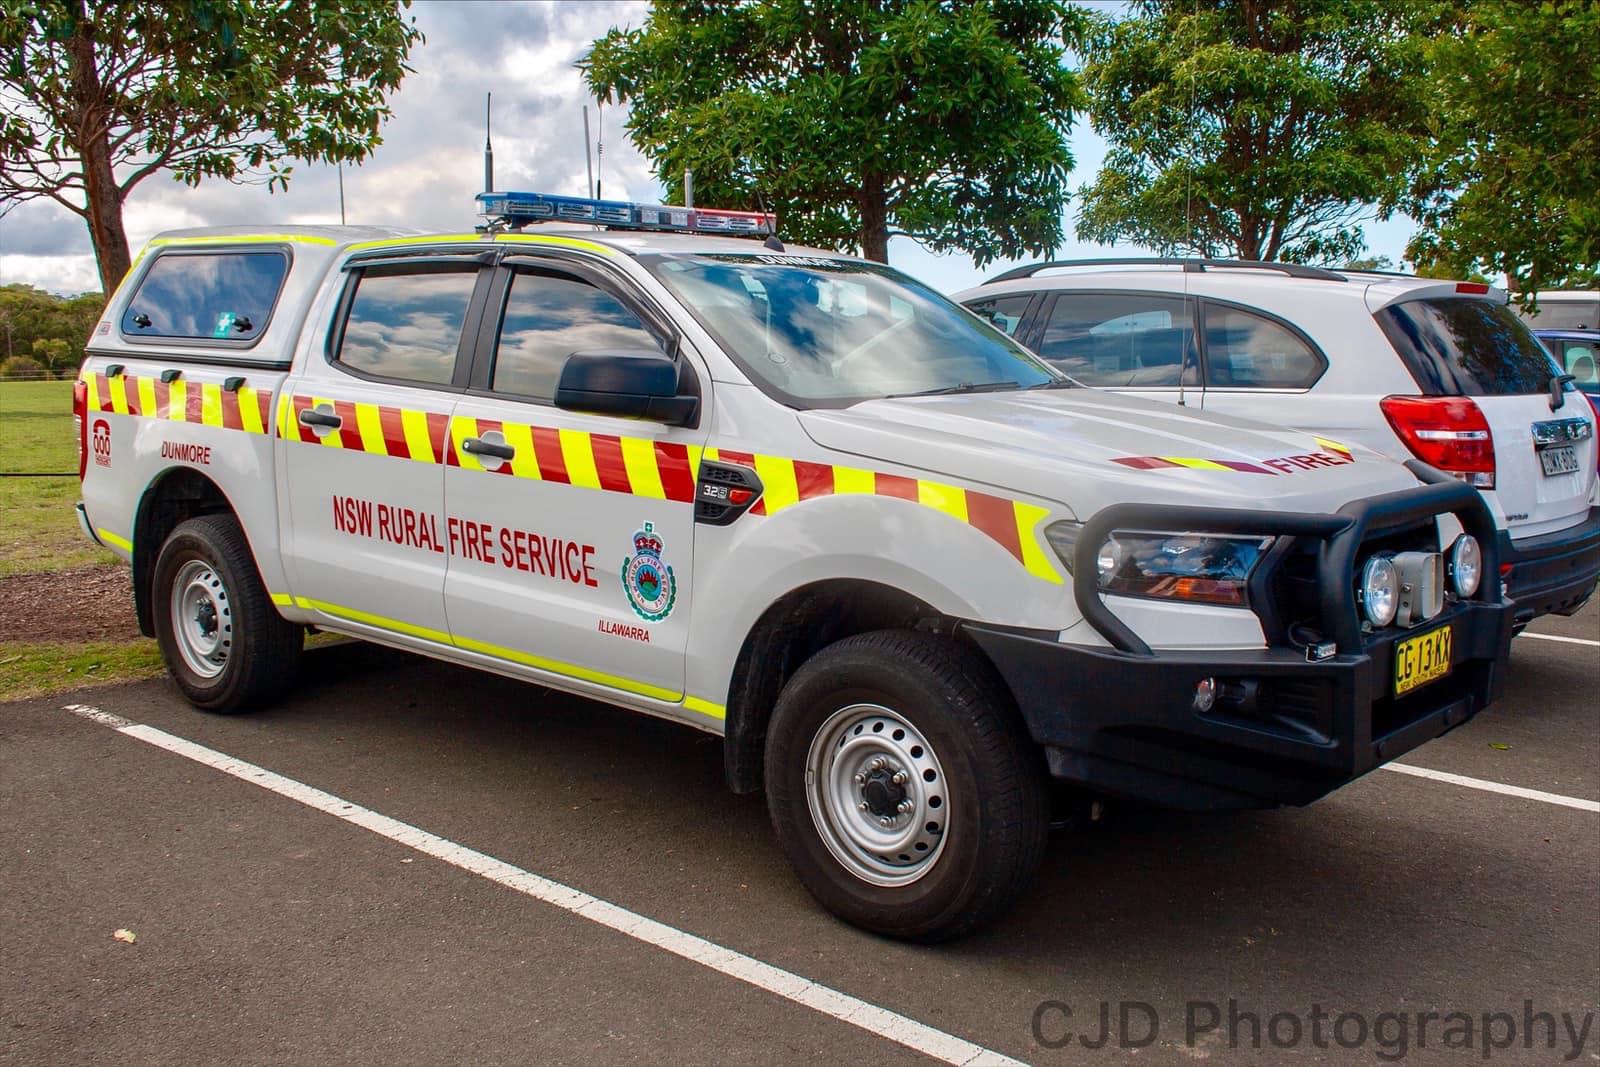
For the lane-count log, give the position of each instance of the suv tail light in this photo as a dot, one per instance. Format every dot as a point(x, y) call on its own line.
point(80, 423)
point(1447, 432)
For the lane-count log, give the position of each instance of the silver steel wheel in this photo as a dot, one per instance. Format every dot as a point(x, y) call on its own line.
point(202, 618)
point(877, 795)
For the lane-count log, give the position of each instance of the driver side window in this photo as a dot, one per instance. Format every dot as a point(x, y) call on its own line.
point(547, 318)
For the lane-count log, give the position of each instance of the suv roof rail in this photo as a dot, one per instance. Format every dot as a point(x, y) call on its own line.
point(1188, 263)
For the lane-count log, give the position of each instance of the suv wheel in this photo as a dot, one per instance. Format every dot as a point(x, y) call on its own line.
point(902, 788)
point(224, 643)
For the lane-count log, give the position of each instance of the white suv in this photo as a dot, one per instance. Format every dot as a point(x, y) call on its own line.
point(1412, 367)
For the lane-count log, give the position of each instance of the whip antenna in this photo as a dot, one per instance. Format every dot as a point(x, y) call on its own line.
point(488, 145)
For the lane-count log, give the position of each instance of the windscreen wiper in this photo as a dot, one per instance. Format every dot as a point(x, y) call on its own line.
point(1058, 383)
point(967, 387)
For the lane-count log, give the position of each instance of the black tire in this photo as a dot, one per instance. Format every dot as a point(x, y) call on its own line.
point(257, 651)
point(994, 825)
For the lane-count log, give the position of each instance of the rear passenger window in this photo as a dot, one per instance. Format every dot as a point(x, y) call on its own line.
point(1246, 351)
point(548, 317)
point(212, 296)
point(405, 322)
point(1004, 313)
point(1122, 340)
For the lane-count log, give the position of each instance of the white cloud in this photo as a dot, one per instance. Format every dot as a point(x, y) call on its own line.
point(430, 164)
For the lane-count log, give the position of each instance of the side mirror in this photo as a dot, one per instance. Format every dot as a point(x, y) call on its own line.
point(636, 384)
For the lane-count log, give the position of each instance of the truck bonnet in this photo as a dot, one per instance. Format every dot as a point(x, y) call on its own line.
point(1088, 449)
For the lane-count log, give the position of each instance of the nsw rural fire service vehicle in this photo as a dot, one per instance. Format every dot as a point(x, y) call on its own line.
point(909, 571)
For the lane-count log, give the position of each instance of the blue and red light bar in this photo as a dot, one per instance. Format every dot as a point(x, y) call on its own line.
point(519, 209)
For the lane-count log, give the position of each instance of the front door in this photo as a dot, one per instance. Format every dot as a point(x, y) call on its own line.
point(570, 536)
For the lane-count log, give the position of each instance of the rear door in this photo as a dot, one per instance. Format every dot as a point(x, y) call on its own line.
point(365, 426)
point(1260, 367)
point(571, 535)
point(1475, 347)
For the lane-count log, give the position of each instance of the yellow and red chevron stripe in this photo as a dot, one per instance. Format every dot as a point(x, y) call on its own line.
point(658, 470)
point(1149, 463)
point(201, 403)
point(1010, 523)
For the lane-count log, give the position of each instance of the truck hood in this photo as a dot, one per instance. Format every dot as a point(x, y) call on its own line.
point(1087, 449)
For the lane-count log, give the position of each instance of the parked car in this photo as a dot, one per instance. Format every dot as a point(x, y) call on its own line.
point(1578, 353)
point(1563, 309)
point(1440, 371)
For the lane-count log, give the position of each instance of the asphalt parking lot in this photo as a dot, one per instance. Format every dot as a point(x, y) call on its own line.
point(275, 923)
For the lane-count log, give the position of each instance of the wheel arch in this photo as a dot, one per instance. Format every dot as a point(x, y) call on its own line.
point(791, 630)
point(173, 496)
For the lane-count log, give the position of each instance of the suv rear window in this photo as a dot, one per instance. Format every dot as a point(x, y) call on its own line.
point(1457, 346)
point(209, 296)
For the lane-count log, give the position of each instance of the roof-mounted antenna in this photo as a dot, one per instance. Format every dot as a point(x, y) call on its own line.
point(772, 242)
point(488, 146)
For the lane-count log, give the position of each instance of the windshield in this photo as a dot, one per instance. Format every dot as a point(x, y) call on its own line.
point(824, 333)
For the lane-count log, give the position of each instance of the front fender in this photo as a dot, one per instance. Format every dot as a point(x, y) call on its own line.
point(950, 565)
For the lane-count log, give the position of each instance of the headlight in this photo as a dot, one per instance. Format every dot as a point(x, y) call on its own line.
point(1466, 565)
point(1380, 590)
point(1207, 568)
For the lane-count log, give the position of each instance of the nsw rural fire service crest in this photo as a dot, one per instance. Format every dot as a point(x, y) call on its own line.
point(646, 578)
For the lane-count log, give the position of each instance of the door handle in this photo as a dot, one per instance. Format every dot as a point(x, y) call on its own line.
point(479, 447)
point(313, 417)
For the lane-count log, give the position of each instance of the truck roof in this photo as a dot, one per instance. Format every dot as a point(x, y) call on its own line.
point(633, 242)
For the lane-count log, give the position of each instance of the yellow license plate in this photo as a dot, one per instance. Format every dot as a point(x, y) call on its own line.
point(1421, 659)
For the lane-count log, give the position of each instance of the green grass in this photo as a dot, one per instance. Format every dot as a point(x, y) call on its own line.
point(38, 528)
point(36, 668)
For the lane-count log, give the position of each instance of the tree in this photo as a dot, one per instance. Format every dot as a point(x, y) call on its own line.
point(1263, 129)
point(1512, 184)
point(98, 95)
point(50, 328)
point(856, 120)
point(1370, 263)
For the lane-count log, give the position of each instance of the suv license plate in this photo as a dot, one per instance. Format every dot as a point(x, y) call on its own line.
point(1422, 659)
point(1562, 460)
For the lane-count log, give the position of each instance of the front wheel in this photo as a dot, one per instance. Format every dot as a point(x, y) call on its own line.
point(902, 788)
point(224, 643)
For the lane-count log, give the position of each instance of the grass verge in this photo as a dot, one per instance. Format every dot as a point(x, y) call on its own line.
point(39, 530)
point(36, 668)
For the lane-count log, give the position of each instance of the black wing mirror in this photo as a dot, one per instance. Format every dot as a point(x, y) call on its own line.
point(637, 383)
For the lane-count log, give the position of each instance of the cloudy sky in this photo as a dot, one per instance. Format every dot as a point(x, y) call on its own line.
point(430, 164)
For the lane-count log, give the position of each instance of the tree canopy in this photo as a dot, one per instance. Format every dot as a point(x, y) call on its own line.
point(49, 329)
point(97, 95)
point(1264, 129)
point(1512, 184)
point(859, 119)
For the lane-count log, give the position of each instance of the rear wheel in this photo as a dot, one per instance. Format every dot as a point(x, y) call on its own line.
point(902, 788)
point(224, 643)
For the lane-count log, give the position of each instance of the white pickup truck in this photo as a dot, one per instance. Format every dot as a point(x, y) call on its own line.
point(907, 570)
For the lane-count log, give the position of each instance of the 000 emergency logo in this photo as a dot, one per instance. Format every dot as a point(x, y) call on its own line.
point(646, 578)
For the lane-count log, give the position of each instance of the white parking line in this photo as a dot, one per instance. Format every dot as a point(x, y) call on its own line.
point(939, 1045)
point(1566, 640)
point(1495, 787)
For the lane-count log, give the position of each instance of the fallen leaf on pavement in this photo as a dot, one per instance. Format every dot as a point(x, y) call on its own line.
point(127, 937)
